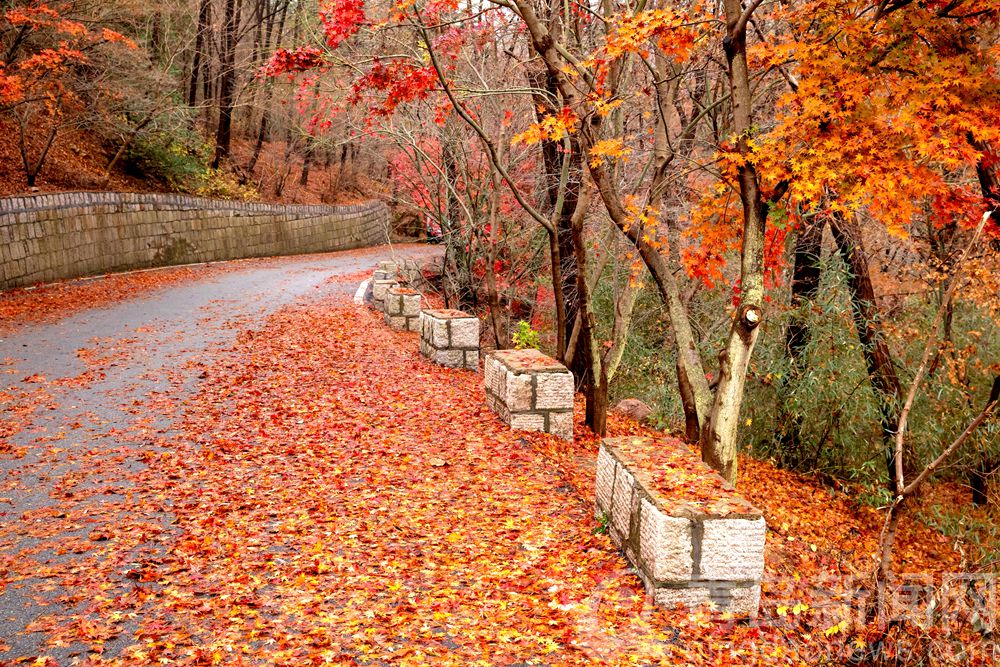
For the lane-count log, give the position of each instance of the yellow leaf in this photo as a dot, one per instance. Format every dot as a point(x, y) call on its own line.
point(839, 627)
point(550, 128)
point(608, 149)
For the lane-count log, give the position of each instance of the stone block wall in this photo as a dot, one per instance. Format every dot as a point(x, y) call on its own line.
point(401, 308)
point(685, 553)
point(380, 288)
point(413, 273)
point(57, 236)
point(406, 270)
point(386, 270)
point(530, 391)
point(450, 338)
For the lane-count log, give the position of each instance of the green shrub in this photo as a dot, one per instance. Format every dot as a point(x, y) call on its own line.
point(525, 337)
point(177, 158)
point(224, 185)
point(828, 399)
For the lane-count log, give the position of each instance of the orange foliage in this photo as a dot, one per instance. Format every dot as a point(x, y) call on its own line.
point(550, 128)
point(883, 113)
point(38, 74)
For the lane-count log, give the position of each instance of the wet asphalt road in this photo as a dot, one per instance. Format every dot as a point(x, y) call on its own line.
point(154, 343)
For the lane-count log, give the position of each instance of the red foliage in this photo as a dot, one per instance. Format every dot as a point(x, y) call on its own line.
point(341, 19)
point(301, 59)
point(399, 80)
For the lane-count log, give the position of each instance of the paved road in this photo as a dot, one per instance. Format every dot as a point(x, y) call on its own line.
point(73, 384)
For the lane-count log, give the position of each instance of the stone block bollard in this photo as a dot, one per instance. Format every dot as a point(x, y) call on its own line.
point(379, 289)
point(450, 338)
point(689, 546)
point(386, 270)
point(530, 391)
point(402, 308)
point(410, 270)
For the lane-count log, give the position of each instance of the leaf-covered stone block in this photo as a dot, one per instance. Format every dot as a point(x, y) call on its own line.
point(692, 539)
point(451, 338)
point(530, 391)
point(401, 306)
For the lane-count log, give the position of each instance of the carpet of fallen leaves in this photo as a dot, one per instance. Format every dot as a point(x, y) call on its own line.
point(328, 497)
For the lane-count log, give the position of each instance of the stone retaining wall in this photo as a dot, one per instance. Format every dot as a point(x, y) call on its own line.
point(685, 552)
point(73, 234)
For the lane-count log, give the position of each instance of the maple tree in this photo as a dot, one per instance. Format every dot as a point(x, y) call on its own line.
point(886, 105)
point(673, 36)
point(42, 49)
point(389, 83)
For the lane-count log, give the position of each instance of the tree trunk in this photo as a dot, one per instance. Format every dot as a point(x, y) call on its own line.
point(592, 371)
point(227, 82)
point(200, 39)
point(692, 425)
point(32, 169)
point(555, 261)
point(265, 113)
point(868, 322)
point(719, 436)
point(261, 136)
point(279, 185)
point(553, 155)
point(156, 36)
point(692, 385)
point(597, 404)
point(979, 480)
point(500, 336)
point(124, 147)
point(988, 179)
point(306, 164)
point(258, 45)
point(570, 269)
point(699, 400)
point(987, 466)
point(451, 223)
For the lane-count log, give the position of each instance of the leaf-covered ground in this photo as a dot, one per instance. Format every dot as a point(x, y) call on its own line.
point(323, 495)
